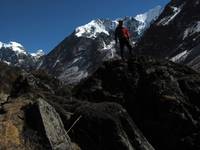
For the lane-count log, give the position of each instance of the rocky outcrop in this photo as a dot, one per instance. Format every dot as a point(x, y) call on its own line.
point(51, 123)
point(25, 124)
point(160, 96)
point(103, 126)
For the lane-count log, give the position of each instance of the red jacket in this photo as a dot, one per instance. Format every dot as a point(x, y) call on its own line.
point(121, 33)
point(126, 33)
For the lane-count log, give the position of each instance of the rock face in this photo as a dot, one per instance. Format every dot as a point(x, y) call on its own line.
point(53, 125)
point(104, 126)
point(175, 34)
point(160, 96)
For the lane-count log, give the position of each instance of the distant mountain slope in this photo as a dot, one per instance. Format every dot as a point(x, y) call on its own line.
point(175, 34)
point(81, 53)
point(15, 54)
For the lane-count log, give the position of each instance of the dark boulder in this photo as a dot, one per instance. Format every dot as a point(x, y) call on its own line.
point(103, 126)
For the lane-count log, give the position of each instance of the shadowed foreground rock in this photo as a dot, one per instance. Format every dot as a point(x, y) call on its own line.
point(37, 125)
point(161, 97)
point(142, 104)
point(104, 126)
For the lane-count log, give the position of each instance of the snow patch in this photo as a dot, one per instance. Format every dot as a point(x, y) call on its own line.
point(8, 63)
point(21, 61)
point(110, 48)
point(39, 65)
point(57, 61)
point(36, 56)
point(180, 57)
point(1, 44)
point(76, 59)
point(91, 30)
point(168, 19)
point(192, 30)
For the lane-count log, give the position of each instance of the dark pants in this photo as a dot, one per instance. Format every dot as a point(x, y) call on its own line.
point(125, 42)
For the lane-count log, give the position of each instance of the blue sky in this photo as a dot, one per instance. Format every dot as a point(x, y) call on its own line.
point(42, 24)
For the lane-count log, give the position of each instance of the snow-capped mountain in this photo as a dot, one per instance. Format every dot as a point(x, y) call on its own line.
point(175, 34)
point(15, 54)
point(38, 55)
point(146, 18)
point(81, 53)
point(14, 46)
point(95, 27)
point(92, 29)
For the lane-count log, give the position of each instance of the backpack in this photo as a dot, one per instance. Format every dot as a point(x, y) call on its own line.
point(123, 33)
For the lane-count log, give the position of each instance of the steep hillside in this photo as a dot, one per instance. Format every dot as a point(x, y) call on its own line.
point(175, 34)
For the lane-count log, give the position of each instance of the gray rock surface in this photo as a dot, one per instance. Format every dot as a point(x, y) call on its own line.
point(53, 126)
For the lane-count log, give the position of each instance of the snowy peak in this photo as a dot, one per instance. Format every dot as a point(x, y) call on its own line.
point(147, 18)
point(14, 46)
point(15, 54)
point(91, 30)
point(95, 27)
point(150, 15)
point(39, 53)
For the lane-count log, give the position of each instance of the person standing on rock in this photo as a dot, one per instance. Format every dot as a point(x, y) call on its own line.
point(122, 35)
